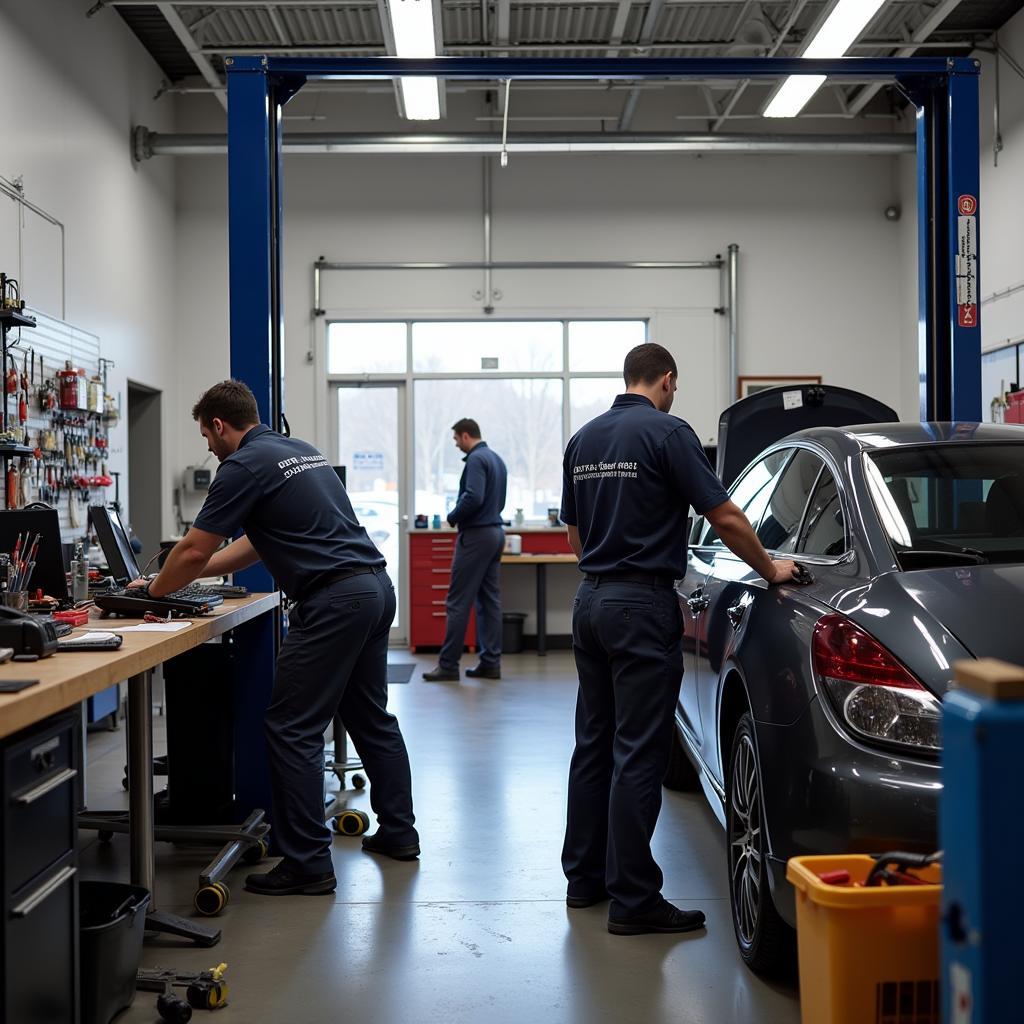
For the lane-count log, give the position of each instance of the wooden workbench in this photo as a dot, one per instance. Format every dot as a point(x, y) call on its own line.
point(70, 677)
point(67, 678)
point(540, 563)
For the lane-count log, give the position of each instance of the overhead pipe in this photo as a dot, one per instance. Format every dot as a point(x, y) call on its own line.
point(147, 144)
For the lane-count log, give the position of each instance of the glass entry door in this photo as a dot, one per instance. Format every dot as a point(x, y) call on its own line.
point(369, 422)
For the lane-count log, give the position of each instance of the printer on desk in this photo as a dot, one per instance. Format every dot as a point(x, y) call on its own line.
point(28, 636)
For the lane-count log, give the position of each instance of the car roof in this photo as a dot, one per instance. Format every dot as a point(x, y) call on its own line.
point(874, 436)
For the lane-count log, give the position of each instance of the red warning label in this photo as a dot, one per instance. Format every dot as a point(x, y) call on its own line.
point(967, 315)
point(967, 206)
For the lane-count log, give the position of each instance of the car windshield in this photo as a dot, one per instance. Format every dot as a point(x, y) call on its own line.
point(951, 504)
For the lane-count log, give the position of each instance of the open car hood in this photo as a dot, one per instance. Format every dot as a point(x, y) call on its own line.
point(750, 425)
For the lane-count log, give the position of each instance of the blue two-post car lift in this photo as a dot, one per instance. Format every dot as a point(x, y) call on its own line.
point(944, 92)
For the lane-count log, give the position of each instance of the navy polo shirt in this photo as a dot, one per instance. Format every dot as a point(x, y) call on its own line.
point(482, 489)
point(630, 477)
point(293, 508)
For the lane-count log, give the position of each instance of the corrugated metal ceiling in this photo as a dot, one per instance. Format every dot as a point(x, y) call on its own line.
point(680, 27)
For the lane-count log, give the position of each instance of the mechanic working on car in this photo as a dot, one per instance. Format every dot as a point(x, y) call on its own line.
point(298, 519)
point(630, 478)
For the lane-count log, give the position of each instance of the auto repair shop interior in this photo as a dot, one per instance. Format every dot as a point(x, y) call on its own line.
point(385, 218)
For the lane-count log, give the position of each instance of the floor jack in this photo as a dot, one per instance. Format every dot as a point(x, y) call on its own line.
point(205, 990)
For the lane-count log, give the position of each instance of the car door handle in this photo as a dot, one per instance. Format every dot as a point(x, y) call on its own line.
point(698, 601)
point(736, 613)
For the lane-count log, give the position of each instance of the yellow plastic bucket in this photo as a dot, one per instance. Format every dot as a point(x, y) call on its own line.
point(867, 955)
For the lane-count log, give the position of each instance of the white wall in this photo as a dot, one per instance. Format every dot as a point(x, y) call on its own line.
point(821, 268)
point(73, 87)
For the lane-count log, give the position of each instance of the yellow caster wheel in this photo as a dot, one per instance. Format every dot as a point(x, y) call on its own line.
point(211, 899)
point(351, 823)
point(256, 853)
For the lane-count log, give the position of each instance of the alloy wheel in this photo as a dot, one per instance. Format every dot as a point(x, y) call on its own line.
point(745, 840)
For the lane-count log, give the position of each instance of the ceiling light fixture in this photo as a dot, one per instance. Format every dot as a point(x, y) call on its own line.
point(845, 22)
point(412, 25)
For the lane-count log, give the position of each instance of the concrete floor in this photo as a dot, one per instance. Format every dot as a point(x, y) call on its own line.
point(477, 930)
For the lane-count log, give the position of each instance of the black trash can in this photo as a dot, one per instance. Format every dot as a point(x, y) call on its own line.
point(512, 632)
point(112, 921)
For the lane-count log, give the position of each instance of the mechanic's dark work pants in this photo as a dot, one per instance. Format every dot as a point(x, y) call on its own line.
point(476, 578)
point(627, 639)
point(334, 659)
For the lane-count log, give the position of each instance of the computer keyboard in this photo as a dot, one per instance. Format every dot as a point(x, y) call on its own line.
point(196, 592)
point(135, 605)
point(213, 590)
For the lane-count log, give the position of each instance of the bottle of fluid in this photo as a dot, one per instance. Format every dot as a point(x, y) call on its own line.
point(79, 576)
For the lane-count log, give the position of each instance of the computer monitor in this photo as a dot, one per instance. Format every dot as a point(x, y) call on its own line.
point(117, 548)
point(48, 574)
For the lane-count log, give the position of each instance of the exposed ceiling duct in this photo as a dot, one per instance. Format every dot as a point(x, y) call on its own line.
point(147, 144)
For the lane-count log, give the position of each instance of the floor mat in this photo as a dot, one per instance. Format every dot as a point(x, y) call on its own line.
point(401, 672)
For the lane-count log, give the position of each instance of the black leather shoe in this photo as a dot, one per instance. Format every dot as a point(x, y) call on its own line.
point(484, 672)
point(279, 881)
point(665, 919)
point(581, 902)
point(441, 675)
point(371, 844)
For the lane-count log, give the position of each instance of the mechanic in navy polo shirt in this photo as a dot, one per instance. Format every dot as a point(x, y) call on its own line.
point(630, 478)
point(297, 519)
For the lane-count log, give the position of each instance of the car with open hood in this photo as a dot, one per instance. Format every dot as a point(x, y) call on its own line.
point(810, 714)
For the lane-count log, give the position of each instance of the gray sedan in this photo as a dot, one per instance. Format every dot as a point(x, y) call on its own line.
point(810, 715)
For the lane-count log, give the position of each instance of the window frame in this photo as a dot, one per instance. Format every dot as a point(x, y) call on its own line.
point(832, 466)
point(410, 376)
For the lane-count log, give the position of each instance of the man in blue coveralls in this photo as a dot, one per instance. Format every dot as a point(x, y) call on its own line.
point(476, 567)
point(299, 521)
point(630, 478)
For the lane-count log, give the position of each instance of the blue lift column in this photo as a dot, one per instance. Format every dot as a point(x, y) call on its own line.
point(254, 236)
point(948, 180)
point(982, 834)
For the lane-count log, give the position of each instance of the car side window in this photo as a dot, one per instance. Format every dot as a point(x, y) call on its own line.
point(752, 491)
point(778, 528)
point(824, 529)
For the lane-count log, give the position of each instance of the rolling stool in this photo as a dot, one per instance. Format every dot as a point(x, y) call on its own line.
point(348, 821)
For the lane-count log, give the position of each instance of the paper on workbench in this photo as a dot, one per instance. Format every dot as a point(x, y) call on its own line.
point(91, 635)
point(153, 627)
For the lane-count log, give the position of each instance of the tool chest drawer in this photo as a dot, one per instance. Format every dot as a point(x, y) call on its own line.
point(39, 949)
point(40, 797)
point(428, 624)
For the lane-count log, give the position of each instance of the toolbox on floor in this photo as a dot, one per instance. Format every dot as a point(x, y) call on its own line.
point(112, 923)
point(867, 955)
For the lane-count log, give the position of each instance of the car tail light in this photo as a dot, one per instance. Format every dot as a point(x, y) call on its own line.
point(875, 695)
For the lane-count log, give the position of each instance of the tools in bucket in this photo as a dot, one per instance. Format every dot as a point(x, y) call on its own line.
point(893, 868)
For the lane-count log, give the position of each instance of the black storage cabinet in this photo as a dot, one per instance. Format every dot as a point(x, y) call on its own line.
point(39, 873)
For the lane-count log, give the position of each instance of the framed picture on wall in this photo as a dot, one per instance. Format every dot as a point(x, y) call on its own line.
point(747, 386)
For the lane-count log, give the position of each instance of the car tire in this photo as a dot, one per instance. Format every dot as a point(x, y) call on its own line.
point(767, 943)
point(680, 774)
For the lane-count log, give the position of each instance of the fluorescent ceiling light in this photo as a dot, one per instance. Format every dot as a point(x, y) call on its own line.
point(412, 25)
point(840, 30)
point(420, 99)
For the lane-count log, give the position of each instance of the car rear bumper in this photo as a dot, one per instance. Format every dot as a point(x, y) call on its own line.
point(825, 793)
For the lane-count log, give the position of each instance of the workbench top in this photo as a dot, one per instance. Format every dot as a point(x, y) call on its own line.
point(69, 677)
